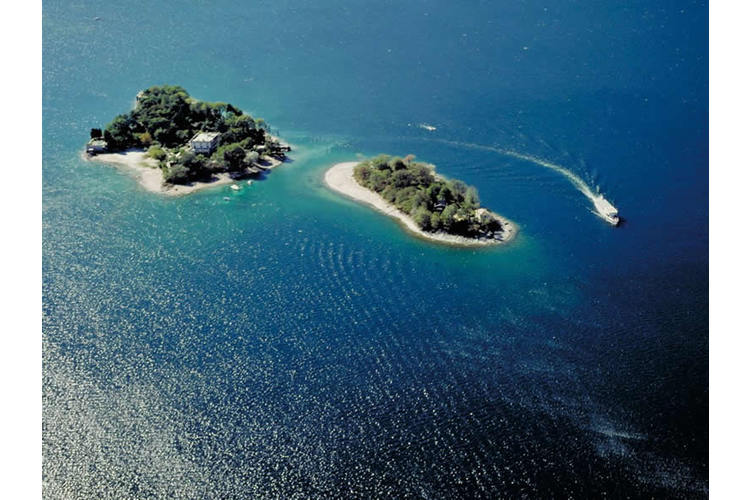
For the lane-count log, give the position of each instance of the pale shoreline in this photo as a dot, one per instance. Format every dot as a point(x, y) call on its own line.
point(340, 178)
point(149, 176)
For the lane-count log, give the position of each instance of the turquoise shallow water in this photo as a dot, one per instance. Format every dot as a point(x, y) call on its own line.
point(289, 343)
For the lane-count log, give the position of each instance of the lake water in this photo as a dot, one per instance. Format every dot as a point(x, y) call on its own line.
point(290, 343)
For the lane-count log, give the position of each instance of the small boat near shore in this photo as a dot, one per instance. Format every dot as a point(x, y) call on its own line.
point(234, 187)
point(606, 210)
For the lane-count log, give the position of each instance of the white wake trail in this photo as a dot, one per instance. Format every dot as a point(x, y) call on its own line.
point(603, 208)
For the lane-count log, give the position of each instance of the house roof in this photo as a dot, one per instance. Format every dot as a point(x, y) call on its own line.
point(205, 136)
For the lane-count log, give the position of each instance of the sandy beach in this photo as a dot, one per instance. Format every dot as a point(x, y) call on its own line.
point(146, 171)
point(340, 178)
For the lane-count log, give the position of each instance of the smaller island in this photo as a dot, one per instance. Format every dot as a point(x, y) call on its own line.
point(177, 144)
point(429, 205)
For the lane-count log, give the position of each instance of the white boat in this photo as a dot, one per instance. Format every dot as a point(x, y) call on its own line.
point(250, 182)
point(606, 210)
point(427, 127)
point(235, 187)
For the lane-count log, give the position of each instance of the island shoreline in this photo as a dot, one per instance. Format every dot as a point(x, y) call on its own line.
point(149, 176)
point(340, 178)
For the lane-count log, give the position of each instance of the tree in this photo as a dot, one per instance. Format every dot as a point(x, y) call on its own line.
point(433, 191)
point(471, 198)
point(423, 219)
point(176, 174)
point(458, 188)
point(96, 133)
point(380, 162)
point(251, 158)
point(405, 199)
point(233, 110)
point(186, 158)
point(445, 194)
point(396, 163)
point(145, 139)
point(422, 175)
point(378, 180)
point(156, 153)
point(234, 157)
point(182, 136)
point(191, 161)
point(435, 221)
point(239, 128)
point(402, 179)
point(446, 218)
point(389, 194)
point(196, 165)
point(118, 134)
point(362, 173)
point(421, 199)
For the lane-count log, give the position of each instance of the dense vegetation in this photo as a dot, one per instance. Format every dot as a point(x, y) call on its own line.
point(165, 118)
point(435, 203)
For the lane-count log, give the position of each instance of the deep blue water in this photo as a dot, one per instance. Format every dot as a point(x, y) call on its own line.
point(290, 343)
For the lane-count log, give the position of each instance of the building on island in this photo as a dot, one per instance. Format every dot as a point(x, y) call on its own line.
point(205, 142)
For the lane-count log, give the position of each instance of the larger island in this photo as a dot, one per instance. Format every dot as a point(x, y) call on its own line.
point(177, 144)
point(429, 205)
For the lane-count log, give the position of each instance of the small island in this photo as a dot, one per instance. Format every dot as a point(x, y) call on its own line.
point(177, 144)
point(429, 205)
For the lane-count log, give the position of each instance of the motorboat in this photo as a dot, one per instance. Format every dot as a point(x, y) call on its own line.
point(606, 210)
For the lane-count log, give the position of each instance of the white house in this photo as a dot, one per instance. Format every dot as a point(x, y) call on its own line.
point(205, 142)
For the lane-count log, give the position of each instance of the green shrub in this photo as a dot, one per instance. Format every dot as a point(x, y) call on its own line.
point(176, 174)
point(156, 153)
point(423, 218)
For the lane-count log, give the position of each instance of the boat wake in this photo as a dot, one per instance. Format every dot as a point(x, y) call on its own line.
point(425, 126)
point(602, 207)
